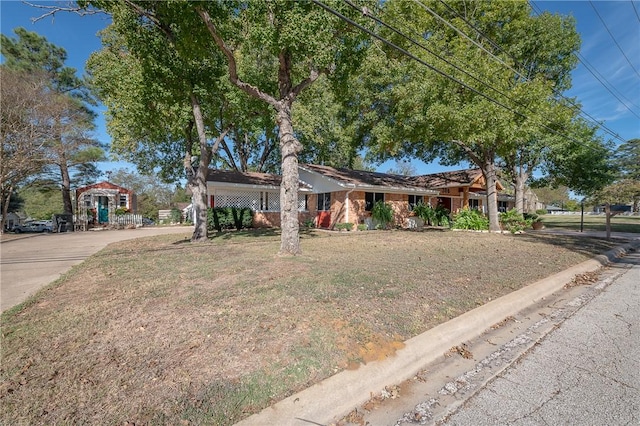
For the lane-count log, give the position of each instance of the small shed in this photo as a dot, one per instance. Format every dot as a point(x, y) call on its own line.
point(101, 200)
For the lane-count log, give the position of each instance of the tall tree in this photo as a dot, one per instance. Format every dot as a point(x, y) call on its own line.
point(627, 158)
point(161, 84)
point(478, 103)
point(71, 120)
point(23, 131)
point(299, 42)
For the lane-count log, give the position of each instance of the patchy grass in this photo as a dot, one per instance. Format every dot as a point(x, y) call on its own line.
point(619, 223)
point(162, 331)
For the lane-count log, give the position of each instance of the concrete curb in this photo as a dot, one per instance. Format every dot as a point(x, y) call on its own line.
point(328, 401)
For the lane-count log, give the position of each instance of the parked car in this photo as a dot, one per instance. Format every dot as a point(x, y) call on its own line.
point(34, 226)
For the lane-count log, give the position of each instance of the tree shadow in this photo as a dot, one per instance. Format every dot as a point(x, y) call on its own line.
point(589, 246)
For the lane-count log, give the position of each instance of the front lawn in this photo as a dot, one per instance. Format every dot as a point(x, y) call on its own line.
point(162, 331)
point(619, 223)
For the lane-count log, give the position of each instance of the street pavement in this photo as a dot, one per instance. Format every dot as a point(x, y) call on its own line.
point(586, 372)
point(36, 260)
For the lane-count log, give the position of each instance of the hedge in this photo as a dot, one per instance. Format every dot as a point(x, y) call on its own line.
point(220, 218)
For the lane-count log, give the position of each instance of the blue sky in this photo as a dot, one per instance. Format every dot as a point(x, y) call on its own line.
point(612, 52)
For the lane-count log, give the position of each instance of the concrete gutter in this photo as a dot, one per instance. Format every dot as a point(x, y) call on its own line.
point(330, 400)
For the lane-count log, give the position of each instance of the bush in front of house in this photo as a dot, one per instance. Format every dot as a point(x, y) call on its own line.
point(470, 220)
point(344, 226)
point(513, 221)
point(219, 218)
point(382, 213)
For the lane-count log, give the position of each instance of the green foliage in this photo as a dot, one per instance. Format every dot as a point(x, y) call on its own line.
point(220, 218)
point(344, 226)
point(41, 203)
point(175, 215)
point(434, 216)
point(513, 221)
point(442, 216)
point(308, 223)
point(470, 220)
point(425, 212)
point(541, 212)
point(362, 227)
point(382, 213)
point(119, 211)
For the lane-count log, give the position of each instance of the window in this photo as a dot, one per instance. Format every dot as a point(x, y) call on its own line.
point(123, 200)
point(474, 204)
point(415, 200)
point(87, 201)
point(324, 201)
point(502, 206)
point(370, 198)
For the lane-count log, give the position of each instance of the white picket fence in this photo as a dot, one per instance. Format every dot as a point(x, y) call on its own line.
point(125, 219)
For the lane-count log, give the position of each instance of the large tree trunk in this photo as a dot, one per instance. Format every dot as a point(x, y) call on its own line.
point(5, 208)
point(490, 175)
point(520, 178)
point(199, 180)
point(198, 186)
point(66, 187)
point(290, 147)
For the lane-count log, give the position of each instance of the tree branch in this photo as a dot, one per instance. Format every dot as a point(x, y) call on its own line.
point(52, 10)
point(233, 69)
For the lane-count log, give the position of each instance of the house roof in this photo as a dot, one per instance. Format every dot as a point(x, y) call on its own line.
point(103, 186)
point(246, 178)
point(366, 179)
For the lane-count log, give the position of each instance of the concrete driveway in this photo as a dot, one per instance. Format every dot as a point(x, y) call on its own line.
point(27, 264)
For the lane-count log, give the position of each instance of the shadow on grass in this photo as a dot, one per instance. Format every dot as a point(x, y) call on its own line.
point(585, 245)
point(257, 233)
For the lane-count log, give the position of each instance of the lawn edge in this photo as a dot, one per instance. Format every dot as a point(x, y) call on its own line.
point(328, 401)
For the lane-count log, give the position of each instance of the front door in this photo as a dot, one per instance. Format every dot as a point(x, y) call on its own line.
point(323, 219)
point(103, 209)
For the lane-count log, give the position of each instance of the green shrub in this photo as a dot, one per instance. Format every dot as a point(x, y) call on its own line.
point(119, 211)
point(382, 213)
point(362, 227)
point(344, 226)
point(175, 215)
point(540, 212)
point(470, 219)
point(441, 216)
point(308, 223)
point(513, 221)
point(220, 218)
point(425, 212)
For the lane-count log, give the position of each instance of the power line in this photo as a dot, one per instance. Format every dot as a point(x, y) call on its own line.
point(603, 81)
point(635, 10)
point(423, 47)
point(613, 38)
point(405, 52)
point(521, 75)
point(415, 58)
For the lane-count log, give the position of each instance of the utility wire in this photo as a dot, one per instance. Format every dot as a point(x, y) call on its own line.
point(521, 75)
point(405, 52)
point(401, 34)
point(423, 47)
point(415, 58)
point(635, 10)
point(601, 79)
point(613, 38)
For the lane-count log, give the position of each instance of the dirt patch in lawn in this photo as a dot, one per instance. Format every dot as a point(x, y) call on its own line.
point(161, 331)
